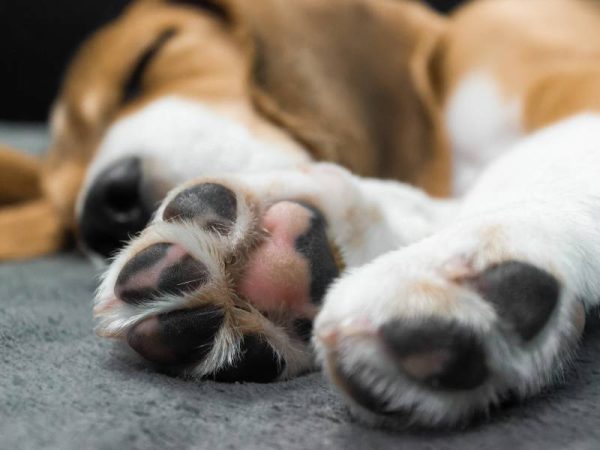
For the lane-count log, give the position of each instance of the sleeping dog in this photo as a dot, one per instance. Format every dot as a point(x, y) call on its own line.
point(419, 309)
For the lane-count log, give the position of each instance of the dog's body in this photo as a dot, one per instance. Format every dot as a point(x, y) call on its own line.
point(444, 306)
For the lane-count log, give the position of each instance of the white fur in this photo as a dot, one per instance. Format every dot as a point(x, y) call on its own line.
point(179, 139)
point(481, 124)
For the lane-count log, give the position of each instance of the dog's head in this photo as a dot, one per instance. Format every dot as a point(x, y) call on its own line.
point(157, 97)
point(173, 90)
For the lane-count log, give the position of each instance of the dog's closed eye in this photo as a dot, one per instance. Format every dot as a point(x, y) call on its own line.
point(133, 86)
point(210, 6)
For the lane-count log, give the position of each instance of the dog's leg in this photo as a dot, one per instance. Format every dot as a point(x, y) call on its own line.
point(491, 306)
point(227, 279)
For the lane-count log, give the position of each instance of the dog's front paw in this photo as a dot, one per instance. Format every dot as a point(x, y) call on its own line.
point(224, 284)
point(446, 328)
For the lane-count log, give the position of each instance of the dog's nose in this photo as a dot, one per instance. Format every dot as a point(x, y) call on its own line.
point(114, 208)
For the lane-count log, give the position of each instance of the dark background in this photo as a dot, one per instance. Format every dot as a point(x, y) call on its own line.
point(37, 38)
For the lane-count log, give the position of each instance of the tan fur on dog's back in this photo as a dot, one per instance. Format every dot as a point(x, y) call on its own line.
point(544, 52)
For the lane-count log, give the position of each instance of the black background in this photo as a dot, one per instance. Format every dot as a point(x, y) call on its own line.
point(37, 38)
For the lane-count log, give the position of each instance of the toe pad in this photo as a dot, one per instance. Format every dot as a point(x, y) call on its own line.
point(439, 354)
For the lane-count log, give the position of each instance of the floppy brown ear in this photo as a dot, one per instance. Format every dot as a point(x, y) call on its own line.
point(29, 224)
point(337, 75)
point(30, 229)
point(19, 176)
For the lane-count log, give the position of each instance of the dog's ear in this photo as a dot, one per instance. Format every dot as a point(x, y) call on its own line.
point(29, 225)
point(427, 72)
point(19, 176)
point(338, 75)
point(34, 229)
point(426, 66)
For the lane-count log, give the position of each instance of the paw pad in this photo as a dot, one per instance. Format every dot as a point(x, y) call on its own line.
point(438, 354)
point(315, 247)
point(210, 205)
point(177, 337)
point(283, 265)
point(522, 294)
point(160, 269)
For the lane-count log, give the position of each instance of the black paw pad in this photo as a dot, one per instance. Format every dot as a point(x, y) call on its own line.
point(438, 354)
point(315, 247)
point(212, 206)
point(160, 269)
point(177, 337)
point(258, 363)
point(522, 294)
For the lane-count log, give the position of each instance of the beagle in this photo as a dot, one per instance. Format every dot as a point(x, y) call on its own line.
point(259, 128)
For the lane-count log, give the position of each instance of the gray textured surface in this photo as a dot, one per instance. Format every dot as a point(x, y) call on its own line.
point(61, 387)
point(31, 137)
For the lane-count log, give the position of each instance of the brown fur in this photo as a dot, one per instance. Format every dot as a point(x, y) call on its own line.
point(544, 52)
point(19, 176)
point(27, 222)
point(348, 100)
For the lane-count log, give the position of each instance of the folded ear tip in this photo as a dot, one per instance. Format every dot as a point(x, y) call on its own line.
point(30, 229)
point(19, 175)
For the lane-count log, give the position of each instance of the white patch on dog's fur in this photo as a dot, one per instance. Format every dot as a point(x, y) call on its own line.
point(179, 140)
point(481, 125)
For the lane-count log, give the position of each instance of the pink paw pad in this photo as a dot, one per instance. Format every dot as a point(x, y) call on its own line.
point(292, 268)
point(160, 269)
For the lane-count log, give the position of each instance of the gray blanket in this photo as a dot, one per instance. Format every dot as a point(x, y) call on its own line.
point(62, 387)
